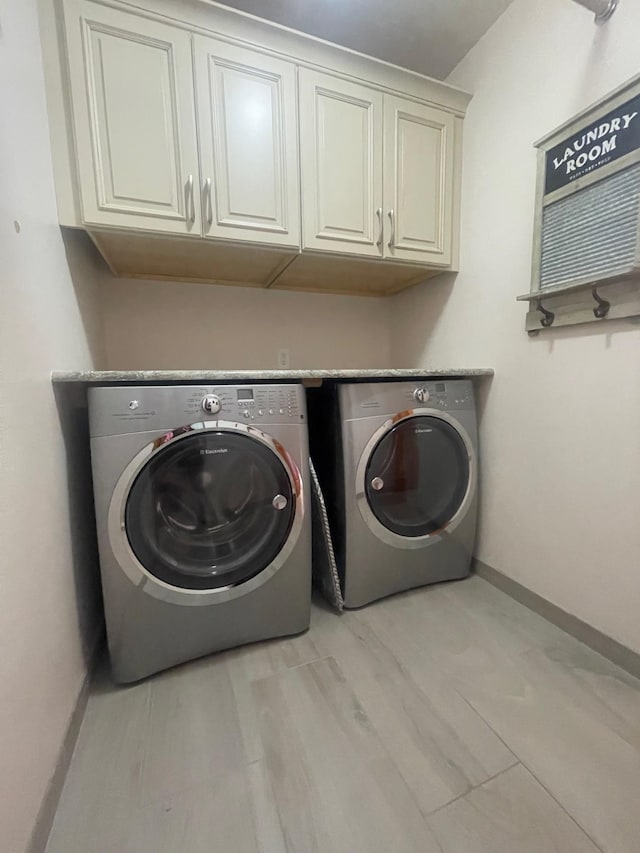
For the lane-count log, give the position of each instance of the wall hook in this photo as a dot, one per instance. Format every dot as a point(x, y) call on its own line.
point(548, 317)
point(602, 308)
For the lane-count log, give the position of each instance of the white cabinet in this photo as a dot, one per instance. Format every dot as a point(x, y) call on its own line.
point(377, 172)
point(133, 108)
point(418, 181)
point(247, 127)
point(341, 158)
point(197, 143)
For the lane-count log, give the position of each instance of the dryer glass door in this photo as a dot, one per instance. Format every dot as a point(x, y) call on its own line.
point(417, 476)
point(210, 510)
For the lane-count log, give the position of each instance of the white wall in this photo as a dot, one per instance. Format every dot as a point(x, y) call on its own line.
point(560, 426)
point(157, 325)
point(48, 320)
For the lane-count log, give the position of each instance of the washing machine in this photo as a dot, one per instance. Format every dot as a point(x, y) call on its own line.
point(397, 463)
point(201, 510)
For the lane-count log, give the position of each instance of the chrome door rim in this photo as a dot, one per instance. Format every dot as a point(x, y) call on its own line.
point(368, 516)
point(148, 582)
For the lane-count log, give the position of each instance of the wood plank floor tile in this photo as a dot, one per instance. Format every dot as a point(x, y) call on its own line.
point(509, 814)
point(576, 744)
point(441, 746)
point(335, 786)
point(259, 660)
point(571, 747)
point(353, 737)
point(212, 817)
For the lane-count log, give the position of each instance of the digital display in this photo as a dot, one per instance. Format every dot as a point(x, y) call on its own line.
point(440, 386)
point(245, 394)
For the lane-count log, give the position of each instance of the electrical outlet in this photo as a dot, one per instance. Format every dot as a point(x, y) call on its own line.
point(283, 359)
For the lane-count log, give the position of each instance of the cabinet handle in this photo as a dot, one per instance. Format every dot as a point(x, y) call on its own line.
point(379, 215)
point(206, 202)
point(392, 238)
point(190, 202)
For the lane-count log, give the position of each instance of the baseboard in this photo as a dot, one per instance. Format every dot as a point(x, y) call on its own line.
point(49, 805)
point(609, 648)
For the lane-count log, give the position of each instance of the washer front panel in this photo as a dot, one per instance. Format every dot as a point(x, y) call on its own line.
point(184, 540)
point(416, 478)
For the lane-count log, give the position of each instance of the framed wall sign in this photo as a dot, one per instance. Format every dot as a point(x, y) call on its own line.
point(586, 243)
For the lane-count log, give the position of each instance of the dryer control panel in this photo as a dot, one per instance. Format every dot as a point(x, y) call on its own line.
point(367, 399)
point(123, 409)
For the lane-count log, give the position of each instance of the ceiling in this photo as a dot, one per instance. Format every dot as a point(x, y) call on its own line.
point(429, 36)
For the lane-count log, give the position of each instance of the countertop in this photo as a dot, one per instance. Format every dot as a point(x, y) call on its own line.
point(158, 377)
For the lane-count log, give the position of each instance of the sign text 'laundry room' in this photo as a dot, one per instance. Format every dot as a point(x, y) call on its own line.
point(610, 137)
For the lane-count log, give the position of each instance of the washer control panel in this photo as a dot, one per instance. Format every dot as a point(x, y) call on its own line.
point(258, 403)
point(123, 409)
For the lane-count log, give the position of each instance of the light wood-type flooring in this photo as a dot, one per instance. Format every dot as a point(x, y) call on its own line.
point(449, 719)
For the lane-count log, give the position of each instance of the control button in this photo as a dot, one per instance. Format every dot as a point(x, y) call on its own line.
point(279, 502)
point(260, 412)
point(133, 405)
point(211, 404)
point(271, 412)
point(421, 395)
point(377, 483)
point(282, 411)
point(247, 413)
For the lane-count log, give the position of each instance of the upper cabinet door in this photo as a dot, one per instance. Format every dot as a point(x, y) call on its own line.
point(247, 126)
point(134, 118)
point(418, 182)
point(341, 156)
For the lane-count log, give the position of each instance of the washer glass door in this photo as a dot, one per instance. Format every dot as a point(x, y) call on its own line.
point(210, 510)
point(417, 476)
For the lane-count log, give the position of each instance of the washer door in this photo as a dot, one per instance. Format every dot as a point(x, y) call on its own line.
point(417, 476)
point(210, 509)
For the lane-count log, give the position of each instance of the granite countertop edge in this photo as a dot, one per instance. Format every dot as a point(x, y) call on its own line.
point(103, 377)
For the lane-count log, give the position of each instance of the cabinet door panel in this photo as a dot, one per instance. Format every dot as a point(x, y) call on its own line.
point(249, 150)
point(418, 181)
point(134, 121)
point(341, 155)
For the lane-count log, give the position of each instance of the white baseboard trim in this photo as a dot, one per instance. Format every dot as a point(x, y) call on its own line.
point(49, 805)
point(609, 648)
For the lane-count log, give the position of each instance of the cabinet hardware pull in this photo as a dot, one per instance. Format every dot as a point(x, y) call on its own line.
point(207, 204)
point(379, 215)
point(190, 203)
point(392, 238)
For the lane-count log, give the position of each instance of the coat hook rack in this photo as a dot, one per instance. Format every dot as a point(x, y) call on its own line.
point(602, 308)
point(548, 316)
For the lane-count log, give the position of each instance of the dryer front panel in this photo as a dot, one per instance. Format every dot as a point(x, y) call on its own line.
point(415, 478)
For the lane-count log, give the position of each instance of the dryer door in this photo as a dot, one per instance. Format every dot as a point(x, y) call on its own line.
point(417, 476)
point(210, 509)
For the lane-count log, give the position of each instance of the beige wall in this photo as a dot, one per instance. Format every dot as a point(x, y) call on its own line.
point(157, 325)
point(561, 421)
point(48, 320)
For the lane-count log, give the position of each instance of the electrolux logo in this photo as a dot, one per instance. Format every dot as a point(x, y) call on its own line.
point(422, 429)
point(612, 136)
point(209, 451)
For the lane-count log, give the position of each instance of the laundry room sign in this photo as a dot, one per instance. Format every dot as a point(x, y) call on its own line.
point(602, 141)
point(586, 239)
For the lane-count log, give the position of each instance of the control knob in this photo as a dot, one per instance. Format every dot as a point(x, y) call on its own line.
point(211, 404)
point(421, 395)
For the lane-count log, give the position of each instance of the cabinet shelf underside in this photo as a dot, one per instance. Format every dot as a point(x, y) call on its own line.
point(158, 258)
